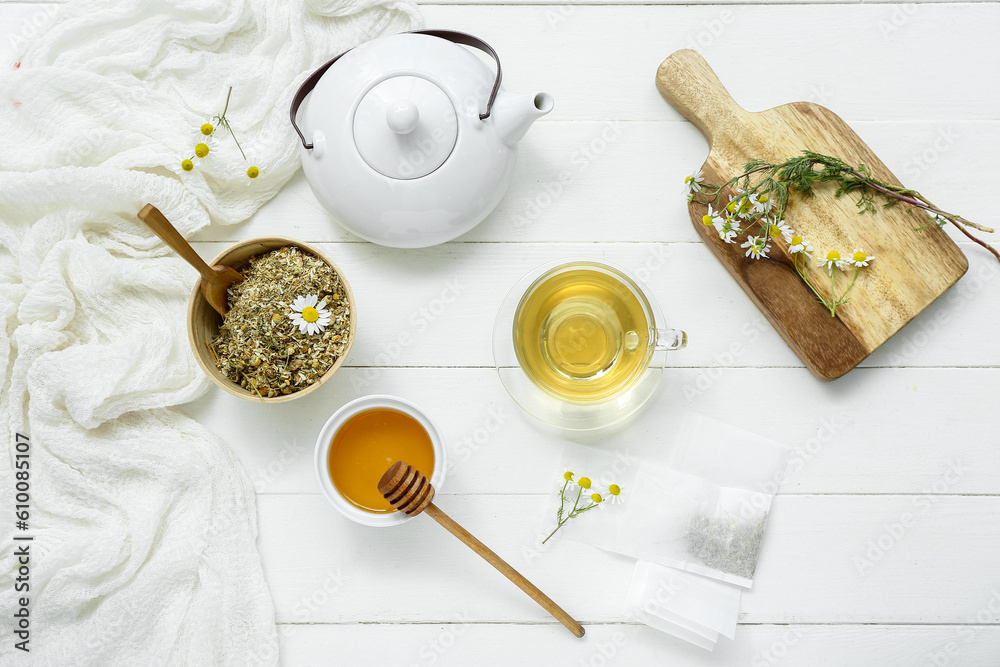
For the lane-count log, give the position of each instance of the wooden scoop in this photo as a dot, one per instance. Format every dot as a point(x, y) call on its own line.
point(215, 280)
point(410, 492)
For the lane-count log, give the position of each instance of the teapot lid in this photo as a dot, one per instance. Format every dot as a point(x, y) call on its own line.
point(405, 127)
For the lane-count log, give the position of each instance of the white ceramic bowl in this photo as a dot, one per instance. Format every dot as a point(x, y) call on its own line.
point(339, 418)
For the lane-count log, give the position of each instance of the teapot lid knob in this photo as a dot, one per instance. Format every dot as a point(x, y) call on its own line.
point(405, 127)
point(402, 116)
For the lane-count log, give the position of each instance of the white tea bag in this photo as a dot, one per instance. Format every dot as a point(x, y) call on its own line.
point(727, 455)
point(690, 523)
point(698, 502)
point(702, 508)
point(696, 604)
point(675, 630)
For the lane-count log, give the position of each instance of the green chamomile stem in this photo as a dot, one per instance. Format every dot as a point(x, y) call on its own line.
point(570, 516)
point(856, 272)
point(226, 107)
point(888, 192)
point(973, 238)
point(562, 501)
point(833, 297)
point(233, 134)
point(225, 123)
point(807, 282)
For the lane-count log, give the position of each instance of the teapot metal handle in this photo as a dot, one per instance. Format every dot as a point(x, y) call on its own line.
point(450, 35)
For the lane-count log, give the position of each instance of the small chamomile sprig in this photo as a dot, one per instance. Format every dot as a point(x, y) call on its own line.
point(592, 500)
point(204, 146)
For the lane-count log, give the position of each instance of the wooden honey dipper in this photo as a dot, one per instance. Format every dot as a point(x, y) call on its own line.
point(410, 492)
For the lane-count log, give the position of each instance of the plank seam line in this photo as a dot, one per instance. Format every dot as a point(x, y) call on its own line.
point(986, 367)
point(845, 624)
point(31, 3)
point(782, 494)
point(513, 243)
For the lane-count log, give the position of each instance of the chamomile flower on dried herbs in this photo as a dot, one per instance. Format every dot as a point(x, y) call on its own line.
point(259, 347)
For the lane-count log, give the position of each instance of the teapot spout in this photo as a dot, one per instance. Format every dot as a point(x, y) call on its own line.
point(514, 114)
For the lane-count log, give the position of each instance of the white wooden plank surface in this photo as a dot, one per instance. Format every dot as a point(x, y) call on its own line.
point(870, 447)
point(903, 12)
point(589, 81)
point(940, 569)
point(876, 431)
point(755, 646)
point(914, 80)
point(608, 181)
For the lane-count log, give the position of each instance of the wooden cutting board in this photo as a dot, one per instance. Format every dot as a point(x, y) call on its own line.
point(910, 270)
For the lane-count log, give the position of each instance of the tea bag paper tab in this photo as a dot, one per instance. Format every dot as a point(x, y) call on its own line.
point(646, 606)
point(675, 630)
point(727, 455)
point(702, 605)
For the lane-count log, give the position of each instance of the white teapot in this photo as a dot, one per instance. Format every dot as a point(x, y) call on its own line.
point(409, 140)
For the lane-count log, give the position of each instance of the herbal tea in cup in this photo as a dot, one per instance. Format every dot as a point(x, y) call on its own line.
point(585, 332)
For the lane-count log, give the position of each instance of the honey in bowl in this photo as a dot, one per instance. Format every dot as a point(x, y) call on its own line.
point(366, 445)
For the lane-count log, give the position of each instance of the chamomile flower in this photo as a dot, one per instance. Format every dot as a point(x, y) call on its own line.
point(187, 164)
point(203, 148)
point(756, 247)
point(206, 129)
point(741, 205)
point(596, 498)
point(859, 258)
point(568, 476)
point(776, 228)
point(308, 315)
point(615, 495)
point(584, 482)
point(712, 217)
point(693, 181)
point(799, 244)
point(832, 260)
point(728, 230)
point(761, 203)
point(252, 173)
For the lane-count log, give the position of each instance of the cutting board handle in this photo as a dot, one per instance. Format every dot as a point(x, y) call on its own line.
point(689, 84)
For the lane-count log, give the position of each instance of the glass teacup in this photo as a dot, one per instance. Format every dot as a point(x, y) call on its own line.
point(579, 344)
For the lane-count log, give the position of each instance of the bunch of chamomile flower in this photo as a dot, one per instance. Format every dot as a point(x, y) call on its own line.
point(577, 496)
point(755, 213)
point(206, 137)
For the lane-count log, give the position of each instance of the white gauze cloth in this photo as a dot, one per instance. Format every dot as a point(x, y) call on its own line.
point(144, 523)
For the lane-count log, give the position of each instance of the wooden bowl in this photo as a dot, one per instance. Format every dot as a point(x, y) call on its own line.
point(203, 321)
